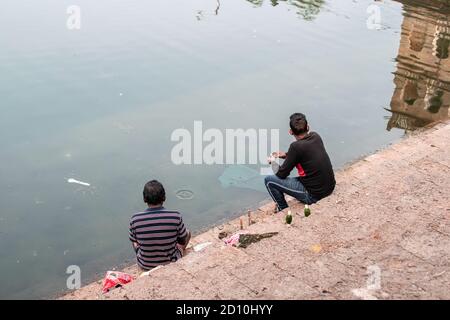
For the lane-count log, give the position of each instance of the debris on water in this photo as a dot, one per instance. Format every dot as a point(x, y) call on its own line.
point(78, 182)
point(66, 252)
point(34, 253)
point(247, 239)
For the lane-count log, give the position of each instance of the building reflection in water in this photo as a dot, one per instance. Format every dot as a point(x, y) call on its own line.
point(422, 78)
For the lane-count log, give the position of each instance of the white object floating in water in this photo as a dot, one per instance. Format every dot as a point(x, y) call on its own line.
point(121, 94)
point(202, 246)
point(78, 182)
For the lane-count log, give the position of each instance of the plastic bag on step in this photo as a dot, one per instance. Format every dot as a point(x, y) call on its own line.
point(114, 279)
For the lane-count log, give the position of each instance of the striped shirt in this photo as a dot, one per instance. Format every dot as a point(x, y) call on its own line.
point(157, 231)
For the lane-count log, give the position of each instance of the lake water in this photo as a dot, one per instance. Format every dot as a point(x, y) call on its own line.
point(99, 105)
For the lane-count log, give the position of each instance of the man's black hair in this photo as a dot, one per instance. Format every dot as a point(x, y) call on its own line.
point(154, 193)
point(298, 124)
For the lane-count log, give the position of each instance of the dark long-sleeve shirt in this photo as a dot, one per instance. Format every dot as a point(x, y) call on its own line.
point(314, 167)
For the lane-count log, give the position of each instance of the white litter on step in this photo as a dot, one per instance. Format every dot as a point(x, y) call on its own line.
point(147, 273)
point(202, 246)
point(78, 182)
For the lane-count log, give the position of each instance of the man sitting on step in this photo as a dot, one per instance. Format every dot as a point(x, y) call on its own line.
point(158, 235)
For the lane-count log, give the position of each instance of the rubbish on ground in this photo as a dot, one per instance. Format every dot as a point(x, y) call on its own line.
point(233, 240)
point(201, 246)
point(114, 279)
point(289, 217)
point(223, 234)
point(78, 182)
point(316, 248)
point(247, 239)
point(244, 239)
point(147, 273)
point(307, 211)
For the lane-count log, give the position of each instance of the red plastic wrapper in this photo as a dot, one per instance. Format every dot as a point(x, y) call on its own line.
point(114, 279)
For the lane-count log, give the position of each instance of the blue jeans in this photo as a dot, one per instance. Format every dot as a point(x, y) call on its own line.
point(277, 187)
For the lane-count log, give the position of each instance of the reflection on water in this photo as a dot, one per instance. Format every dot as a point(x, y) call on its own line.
point(422, 78)
point(307, 9)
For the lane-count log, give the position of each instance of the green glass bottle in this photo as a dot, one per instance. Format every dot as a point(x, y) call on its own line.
point(289, 217)
point(307, 211)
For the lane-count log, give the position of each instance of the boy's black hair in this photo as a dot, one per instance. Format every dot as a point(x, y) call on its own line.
point(154, 193)
point(298, 124)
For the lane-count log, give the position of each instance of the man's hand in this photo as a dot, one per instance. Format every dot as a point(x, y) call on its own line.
point(183, 243)
point(279, 154)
